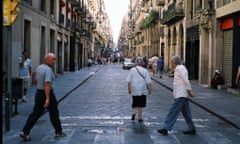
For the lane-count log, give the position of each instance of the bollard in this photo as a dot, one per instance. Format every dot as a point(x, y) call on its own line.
point(17, 92)
point(7, 111)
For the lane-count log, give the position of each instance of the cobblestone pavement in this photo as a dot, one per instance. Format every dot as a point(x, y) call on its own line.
point(98, 112)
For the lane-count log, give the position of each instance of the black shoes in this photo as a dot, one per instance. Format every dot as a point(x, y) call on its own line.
point(133, 116)
point(189, 132)
point(61, 134)
point(24, 136)
point(163, 131)
point(140, 120)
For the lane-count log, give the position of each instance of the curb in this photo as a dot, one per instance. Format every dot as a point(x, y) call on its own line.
point(202, 106)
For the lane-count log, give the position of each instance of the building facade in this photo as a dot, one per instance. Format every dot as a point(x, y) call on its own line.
point(228, 40)
point(204, 33)
point(71, 29)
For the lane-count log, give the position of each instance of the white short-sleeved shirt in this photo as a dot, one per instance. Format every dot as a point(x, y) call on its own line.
point(138, 84)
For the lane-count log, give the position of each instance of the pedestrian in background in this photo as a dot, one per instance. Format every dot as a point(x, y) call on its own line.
point(44, 99)
point(89, 62)
point(160, 66)
point(139, 86)
point(145, 64)
point(25, 73)
point(238, 79)
point(181, 90)
point(154, 60)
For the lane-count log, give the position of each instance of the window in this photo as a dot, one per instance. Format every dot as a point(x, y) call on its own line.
point(226, 2)
point(52, 7)
point(27, 35)
point(28, 1)
point(43, 5)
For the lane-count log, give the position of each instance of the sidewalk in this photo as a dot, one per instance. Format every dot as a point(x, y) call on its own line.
point(64, 84)
point(221, 103)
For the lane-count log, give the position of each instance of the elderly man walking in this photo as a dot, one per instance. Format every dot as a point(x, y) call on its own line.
point(181, 90)
point(44, 99)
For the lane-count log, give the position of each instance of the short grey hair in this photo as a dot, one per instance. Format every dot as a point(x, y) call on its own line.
point(177, 60)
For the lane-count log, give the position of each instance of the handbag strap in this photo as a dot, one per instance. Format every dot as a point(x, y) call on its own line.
point(140, 73)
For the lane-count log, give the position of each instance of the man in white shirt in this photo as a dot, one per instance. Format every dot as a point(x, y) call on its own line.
point(139, 86)
point(181, 90)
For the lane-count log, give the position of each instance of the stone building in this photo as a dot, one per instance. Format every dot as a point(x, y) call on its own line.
point(72, 29)
point(204, 33)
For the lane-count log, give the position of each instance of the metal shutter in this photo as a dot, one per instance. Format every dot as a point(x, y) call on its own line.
point(227, 61)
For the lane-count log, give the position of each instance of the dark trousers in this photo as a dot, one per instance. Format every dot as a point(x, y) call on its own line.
point(39, 109)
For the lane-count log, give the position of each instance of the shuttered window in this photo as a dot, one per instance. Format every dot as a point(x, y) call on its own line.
point(227, 62)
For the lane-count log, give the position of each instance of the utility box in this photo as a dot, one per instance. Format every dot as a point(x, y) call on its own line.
point(17, 88)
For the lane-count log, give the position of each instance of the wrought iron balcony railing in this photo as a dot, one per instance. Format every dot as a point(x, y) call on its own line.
point(145, 23)
point(173, 14)
point(160, 2)
point(61, 19)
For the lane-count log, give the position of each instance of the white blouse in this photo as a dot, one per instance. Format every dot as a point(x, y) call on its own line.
point(138, 84)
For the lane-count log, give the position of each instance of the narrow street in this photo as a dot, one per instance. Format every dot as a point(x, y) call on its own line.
point(91, 42)
point(99, 111)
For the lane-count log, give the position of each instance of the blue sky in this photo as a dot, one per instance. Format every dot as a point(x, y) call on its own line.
point(116, 9)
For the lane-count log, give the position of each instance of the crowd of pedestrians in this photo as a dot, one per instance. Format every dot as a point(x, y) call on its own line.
point(104, 60)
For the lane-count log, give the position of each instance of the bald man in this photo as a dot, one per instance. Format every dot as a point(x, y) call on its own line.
point(44, 99)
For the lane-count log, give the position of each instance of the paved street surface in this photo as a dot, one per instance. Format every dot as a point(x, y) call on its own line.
point(95, 108)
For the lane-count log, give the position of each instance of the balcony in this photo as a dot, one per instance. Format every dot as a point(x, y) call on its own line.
point(152, 19)
point(173, 14)
point(75, 3)
point(160, 2)
point(73, 26)
point(61, 19)
point(93, 25)
point(68, 23)
point(137, 30)
point(145, 1)
point(227, 8)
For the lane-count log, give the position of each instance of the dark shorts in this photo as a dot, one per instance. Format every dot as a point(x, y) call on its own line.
point(139, 101)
